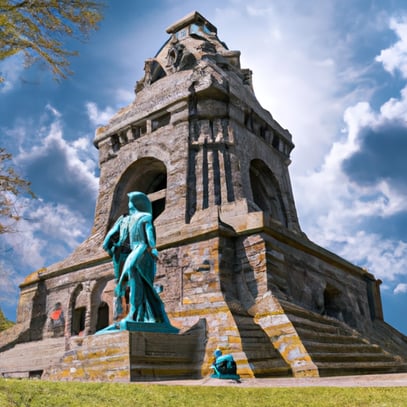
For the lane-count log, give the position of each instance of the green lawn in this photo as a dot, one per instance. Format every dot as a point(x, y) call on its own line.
point(36, 393)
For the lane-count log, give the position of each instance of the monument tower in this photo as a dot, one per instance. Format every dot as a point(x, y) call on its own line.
point(234, 262)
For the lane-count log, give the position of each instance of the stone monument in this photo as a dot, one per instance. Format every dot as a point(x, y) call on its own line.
point(237, 272)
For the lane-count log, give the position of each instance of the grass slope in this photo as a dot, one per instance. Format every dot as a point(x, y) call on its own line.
point(35, 393)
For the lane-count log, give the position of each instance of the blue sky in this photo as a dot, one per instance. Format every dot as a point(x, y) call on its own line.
point(334, 72)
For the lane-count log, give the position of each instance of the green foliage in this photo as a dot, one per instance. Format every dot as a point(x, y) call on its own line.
point(38, 28)
point(53, 394)
point(11, 185)
point(4, 322)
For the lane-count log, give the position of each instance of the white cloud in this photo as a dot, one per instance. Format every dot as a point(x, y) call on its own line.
point(385, 258)
point(124, 96)
point(99, 117)
point(401, 288)
point(298, 77)
point(59, 222)
point(335, 209)
point(53, 110)
point(396, 109)
point(46, 234)
point(61, 170)
point(395, 58)
point(10, 70)
point(62, 174)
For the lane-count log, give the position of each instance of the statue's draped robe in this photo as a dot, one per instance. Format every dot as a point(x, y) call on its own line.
point(139, 270)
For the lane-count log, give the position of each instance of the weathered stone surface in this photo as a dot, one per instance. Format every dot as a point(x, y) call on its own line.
point(232, 253)
point(131, 356)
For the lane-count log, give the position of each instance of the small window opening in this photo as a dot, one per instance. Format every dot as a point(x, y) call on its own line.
point(115, 142)
point(160, 121)
point(276, 142)
point(103, 316)
point(123, 137)
point(78, 321)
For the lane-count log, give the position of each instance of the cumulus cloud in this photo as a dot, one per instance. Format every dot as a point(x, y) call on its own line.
point(401, 288)
point(61, 171)
point(99, 117)
point(62, 175)
point(294, 86)
point(304, 82)
point(47, 233)
point(361, 183)
point(395, 58)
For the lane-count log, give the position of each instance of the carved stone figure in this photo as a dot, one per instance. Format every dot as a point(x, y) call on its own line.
point(131, 243)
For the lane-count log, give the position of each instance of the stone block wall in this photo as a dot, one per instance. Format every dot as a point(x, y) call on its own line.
point(81, 294)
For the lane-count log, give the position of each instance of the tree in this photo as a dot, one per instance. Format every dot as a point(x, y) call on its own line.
point(37, 28)
point(4, 322)
point(11, 185)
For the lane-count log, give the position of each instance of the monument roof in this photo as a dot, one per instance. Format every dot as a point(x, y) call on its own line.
point(192, 18)
point(193, 55)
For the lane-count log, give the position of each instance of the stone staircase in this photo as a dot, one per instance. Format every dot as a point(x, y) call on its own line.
point(337, 349)
point(263, 359)
point(30, 359)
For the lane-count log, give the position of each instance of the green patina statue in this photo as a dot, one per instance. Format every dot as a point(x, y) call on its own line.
point(131, 244)
point(224, 367)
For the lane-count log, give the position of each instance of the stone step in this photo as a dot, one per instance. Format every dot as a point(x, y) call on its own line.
point(352, 357)
point(251, 332)
point(265, 369)
point(320, 326)
point(31, 357)
point(317, 337)
point(294, 309)
point(333, 347)
point(354, 368)
point(258, 354)
point(338, 349)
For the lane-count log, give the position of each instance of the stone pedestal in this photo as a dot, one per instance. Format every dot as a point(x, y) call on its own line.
point(132, 356)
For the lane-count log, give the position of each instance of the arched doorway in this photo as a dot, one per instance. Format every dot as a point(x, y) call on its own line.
point(78, 321)
point(266, 191)
point(78, 307)
point(147, 175)
point(102, 316)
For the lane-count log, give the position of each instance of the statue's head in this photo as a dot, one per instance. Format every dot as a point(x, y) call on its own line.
point(140, 202)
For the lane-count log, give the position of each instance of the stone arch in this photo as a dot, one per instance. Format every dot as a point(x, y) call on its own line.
point(266, 191)
point(148, 175)
point(102, 304)
point(153, 71)
point(77, 311)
